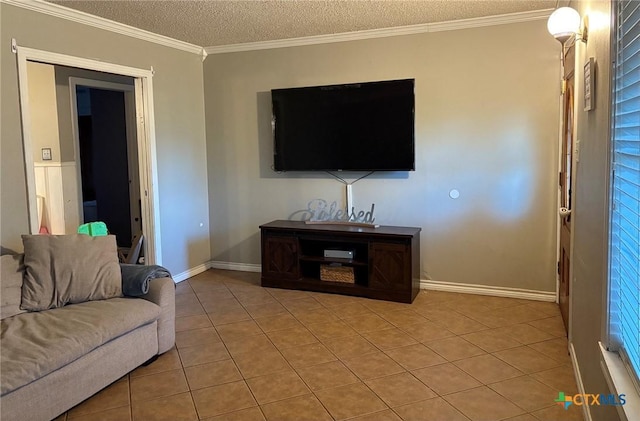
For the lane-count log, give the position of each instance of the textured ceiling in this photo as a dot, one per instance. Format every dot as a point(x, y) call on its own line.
point(213, 23)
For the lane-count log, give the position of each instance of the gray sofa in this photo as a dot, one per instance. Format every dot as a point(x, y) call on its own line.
point(52, 360)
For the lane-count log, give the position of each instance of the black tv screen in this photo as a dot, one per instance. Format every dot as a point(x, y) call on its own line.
point(352, 127)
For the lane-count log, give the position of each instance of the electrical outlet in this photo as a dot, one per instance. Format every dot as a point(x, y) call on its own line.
point(46, 154)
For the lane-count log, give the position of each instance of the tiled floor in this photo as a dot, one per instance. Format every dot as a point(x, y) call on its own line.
point(247, 353)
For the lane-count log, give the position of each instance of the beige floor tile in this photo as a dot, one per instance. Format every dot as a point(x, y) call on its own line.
point(212, 374)
point(492, 340)
point(557, 348)
point(318, 315)
point(558, 413)
point(350, 310)
point(153, 386)
point(436, 313)
point(454, 348)
point(255, 344)
point(350, 401)
point(459, 324)
point(373, 365)
point(265, 310)
point(307, 355)
point(446, 378)
point(325, 375)
point(277, 322)
point(189, 310)
point(389, 338)
point(487, 368)
point(192, 322)
point(525, 333)
point(431, 409)
point(296, 409)
point(331, 329)
point(526, 392)
point(183, 288)
point(222, 305)
point(228, 397)
point(520, 314)
point(560, 378)
point(490, 320)
point(386, 415)
point(187, 300)
point(400, 389)
point(288, 338)
point(403, 318)
point(381, 306)
point(415, 356)
point(367, 322)
point(350, 347)
point(219, 318)
point(483, 404)
point(61, 417)
point(170, 360)
point(116, 414)
point(523, 417)
point(249, 414)
point(427, 331)
point(197, 337)
point(195, 355)
point(336, 300)
point(253, 365)
point(287, 294)
point(255, 297)
point(277, 386)
point(551, 325)
point(526, 359)
point(301, 305)
point(114, 396)
point(170, 408)
point(233, 331)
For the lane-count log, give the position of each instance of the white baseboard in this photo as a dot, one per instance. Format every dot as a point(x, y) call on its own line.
point(190, 272)
point(242, 267)
point(525, 294)
point(576, 372)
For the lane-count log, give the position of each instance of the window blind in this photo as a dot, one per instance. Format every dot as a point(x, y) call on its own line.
point(624, 251)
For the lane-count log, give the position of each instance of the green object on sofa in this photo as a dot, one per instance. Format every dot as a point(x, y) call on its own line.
point(94, 229)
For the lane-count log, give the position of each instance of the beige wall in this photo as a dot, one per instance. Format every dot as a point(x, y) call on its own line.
point(591, 205)
point(486, 124)
point(179, 124)
point(42, 105)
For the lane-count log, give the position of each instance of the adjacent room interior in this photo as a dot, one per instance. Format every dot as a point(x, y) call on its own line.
point(499, 290)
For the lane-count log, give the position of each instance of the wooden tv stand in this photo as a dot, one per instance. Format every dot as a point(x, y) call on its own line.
point(386, 264)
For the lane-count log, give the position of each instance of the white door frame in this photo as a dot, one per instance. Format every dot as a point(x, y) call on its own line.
point(132, 143)
point(143, 85)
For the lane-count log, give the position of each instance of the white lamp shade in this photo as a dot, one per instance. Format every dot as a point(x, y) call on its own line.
point(563, 23)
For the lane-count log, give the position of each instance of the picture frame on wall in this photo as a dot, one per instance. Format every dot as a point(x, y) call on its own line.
point(589, 88)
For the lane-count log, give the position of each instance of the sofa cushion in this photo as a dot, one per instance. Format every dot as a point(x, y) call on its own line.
point(35, 344)
point(11, 272)
point(62, 269)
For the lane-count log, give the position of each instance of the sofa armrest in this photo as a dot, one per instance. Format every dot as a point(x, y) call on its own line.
point(162, 291)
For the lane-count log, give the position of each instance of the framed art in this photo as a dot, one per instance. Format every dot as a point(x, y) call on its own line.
point(589, 90)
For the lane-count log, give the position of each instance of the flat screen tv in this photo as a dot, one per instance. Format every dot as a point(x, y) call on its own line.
point(352, 127)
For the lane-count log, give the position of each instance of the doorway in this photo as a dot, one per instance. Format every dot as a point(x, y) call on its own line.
point(106, 144)
point(143, 127)
point(565, 185)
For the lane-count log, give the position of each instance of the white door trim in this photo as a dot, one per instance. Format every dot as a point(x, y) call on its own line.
point(145, 132)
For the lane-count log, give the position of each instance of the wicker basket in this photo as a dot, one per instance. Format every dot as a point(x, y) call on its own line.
point(337, 273)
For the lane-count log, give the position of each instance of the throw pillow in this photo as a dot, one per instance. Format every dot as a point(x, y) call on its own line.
point(68, 269)
point(12, 271)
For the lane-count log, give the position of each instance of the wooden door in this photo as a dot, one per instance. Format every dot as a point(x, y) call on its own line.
point(389, 266)
point(280, 257)
point(565, 180)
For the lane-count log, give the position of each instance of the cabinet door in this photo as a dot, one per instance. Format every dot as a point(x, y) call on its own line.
point(280, 257)
point(390, 266)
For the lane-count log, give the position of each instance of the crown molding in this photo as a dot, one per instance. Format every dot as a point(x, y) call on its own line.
point(62, 12)
point(384, 32)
